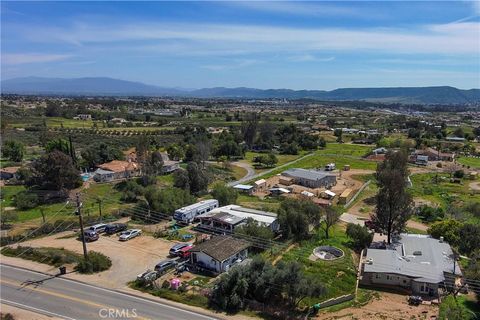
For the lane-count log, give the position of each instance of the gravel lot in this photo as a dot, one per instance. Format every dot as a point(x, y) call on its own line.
point(129, 258)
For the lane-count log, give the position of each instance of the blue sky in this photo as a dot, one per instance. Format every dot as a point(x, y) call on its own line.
point(297, 45)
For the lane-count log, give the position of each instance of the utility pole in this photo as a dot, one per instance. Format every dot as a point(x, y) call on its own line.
point(80, 218)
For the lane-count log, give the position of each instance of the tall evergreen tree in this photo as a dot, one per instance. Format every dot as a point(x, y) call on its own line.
point(393, 202)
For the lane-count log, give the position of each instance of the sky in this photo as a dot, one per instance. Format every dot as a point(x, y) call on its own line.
point(296, 45)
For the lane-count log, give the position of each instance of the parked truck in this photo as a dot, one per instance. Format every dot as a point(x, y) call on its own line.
point(187, 214)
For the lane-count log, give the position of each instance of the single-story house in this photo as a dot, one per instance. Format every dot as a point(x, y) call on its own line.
point(455, 139)
point(245, 188)
point(219, 254)
point(116, 170)
point(415, 262)
point(227, 218)
point(8, 173)
point(260, 185)
point(436, 155)
point(311, 178)
point(170, 166)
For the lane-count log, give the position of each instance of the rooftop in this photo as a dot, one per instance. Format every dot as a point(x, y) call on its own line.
point(245, 213)
point(306, 174)
point(118, 166)
point(221, 247)
point(198, 204)
point(416, 256)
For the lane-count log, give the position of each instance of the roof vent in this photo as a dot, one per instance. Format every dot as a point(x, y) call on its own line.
point(417, 253)
point(441, 239)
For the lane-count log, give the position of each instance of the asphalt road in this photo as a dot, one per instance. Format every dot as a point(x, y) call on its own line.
point(67, 299)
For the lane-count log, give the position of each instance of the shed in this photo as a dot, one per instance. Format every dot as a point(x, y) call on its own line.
point(260, 184)
point(245, 188)
point(345, 196)
point(329, 194)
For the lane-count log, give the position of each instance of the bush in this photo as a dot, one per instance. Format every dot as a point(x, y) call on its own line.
point(96, 262)
point(360, 235)
point(459, 174)
point(25, 200)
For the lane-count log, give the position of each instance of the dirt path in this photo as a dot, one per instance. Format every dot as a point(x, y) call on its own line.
point(251, 172)
point(386, 306)
point(474, 186)
point(290, 247)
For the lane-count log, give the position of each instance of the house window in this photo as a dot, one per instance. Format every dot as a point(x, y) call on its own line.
point(376, 276)
point(388, 277)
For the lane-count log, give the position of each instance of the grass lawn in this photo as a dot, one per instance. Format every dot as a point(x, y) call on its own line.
point(238, 172)
point(470, 161)
point(338, 276)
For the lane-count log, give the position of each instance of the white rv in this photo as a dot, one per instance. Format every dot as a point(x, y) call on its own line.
point(187, 214)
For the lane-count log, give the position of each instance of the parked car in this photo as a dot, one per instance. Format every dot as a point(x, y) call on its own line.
point(165, 265)
point(184, 252)
point(175, 250)
point(90, 235)
point(148, 276)
point(129, 234)
point(98, 228)
point(415, 300)
point(115, 228)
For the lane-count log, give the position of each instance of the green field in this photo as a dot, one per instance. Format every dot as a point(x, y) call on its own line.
point(60, 210)
point(338, 276)
point(340, 154)
point(282, 159)
point(469, 161)
point(443, 192)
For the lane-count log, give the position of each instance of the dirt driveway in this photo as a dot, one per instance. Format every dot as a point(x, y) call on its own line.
point(386, 306)
point(129, 258)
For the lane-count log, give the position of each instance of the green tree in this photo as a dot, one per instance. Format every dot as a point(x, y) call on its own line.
point(224, 194)
point(448, 229)
point(450, 309)
point(59, 145)
point(331, 218)
point(25, 200)
point(360, 235)
point(175, 151)
point(253, 229)
point(296, 216)
point(167, 200)
point(13, 150)
point(8, 216)
point(394, 204)
point(99, 153)
point(54, 171)
point(469, 238)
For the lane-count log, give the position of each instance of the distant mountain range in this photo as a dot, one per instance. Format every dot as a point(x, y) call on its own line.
point(95, 86)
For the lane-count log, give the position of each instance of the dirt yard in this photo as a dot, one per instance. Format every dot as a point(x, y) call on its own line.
point(129, 258)
point(387, 306)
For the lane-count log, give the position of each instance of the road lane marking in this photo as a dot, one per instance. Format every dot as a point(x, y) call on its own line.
point(131, 296)
point(63, 296)
point(38, 310)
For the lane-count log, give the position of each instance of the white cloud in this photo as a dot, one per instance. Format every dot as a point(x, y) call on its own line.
point(24, 58)
point(189, 38)
point(310, 57)
point(233, 65)
point(296, 8)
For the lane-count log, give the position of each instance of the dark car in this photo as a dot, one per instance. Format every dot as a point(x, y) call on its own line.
point(90, 235)
point(115, 228)
point(165, 265)
point(415, 300)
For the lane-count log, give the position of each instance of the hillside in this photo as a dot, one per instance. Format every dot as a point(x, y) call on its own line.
point(109, 86)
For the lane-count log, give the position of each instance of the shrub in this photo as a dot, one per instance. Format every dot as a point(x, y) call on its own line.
point(96, 262)
point(25, 200)
point(459, 174)
point(360, 235)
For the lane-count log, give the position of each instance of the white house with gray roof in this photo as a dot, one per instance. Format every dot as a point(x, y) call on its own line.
point(311, 178)
point(418, 263)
